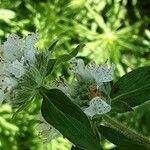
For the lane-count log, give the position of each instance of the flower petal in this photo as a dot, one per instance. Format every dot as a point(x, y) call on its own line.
point(104, 73)
point(12, 48)
point(80, 69)
point(97, 107)
point(2, 96)
point(92, 72)
point(29, 49)
point(16, 68)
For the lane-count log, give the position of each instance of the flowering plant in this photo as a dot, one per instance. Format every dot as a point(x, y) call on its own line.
point(80, 110)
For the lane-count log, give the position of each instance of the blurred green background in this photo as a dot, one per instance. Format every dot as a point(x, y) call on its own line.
point(117, 30)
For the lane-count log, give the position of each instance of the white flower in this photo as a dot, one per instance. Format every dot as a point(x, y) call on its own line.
point(6, 85)
point(92, 72)
point(63, 86)
point(14, 55)
point(16, 47)
point(97, 106)
point(46, 131)
point(88, 88)
point(2, 96)
point(79, 68)
point(16, 68)
point(102, 73)
point(12, 48)
point(29, 47)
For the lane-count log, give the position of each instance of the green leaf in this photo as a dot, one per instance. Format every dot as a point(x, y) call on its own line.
point(50, 66)
point(133, 88)
point(75, 148)
point(120, 107)
point(77, 49)
point(22, 107)
point(52, 63)
point(119, 139)
point(59, 111)
point(7, 14)
point(52, 46)
point(44, 64)
point(63, 58)
point(67, 57)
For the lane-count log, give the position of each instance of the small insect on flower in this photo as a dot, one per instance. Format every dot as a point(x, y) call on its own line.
point(97, 106)
point(93, 91)
point(91, 86)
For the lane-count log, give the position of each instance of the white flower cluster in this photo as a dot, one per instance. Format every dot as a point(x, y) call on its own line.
point(94, 75)
point(99, 75)
point(15, 53)
point(46, 131)
point(97, 106)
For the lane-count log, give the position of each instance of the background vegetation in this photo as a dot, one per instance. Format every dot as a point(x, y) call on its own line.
point(117, 30)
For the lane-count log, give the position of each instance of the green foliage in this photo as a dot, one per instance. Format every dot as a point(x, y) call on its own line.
point(120, 139)
point(57, 110)
point(20, 133)
point(111, 29)
point(75, 148)
point(127, 137)
point(67, 57)
point(116, 30)
point(132, 89)
point(137, 119)
point(17, 134)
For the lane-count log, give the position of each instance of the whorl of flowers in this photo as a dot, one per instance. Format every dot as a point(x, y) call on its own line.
point(22, 74)
point(22, 70)
point(15, 54)
point(90, 89)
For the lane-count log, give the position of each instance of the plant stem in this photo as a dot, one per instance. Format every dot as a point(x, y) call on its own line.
point(129, 133)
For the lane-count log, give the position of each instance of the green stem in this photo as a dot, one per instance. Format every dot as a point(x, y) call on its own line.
point(129, 133)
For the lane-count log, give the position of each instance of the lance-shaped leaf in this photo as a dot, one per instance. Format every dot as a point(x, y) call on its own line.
point(75, 148)
point(120, 107)
point(133, 88)
point(55, 62)
point(120, 139)
point(52, 46)
point(67, 57)
point(59, 111)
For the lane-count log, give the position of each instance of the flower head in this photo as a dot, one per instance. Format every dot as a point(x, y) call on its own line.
point(89, 89)
point(15, 54)
point(92, 72)
point(12, 48)
point(97, 106)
